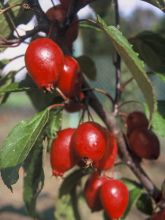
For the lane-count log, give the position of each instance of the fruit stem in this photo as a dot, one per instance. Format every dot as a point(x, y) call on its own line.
point(129, 102)
point(56, 105)
point(126, 83)
point(62, 95)
point(10, 7)
point(104, 93)
point(111, 123)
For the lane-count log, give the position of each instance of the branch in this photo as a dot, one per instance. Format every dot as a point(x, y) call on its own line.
point(111, 123)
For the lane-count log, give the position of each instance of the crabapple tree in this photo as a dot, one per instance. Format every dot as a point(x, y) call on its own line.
point(38, 41)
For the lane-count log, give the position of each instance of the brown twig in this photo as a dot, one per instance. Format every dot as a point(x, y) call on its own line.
point(10, 7)
point(111, 122)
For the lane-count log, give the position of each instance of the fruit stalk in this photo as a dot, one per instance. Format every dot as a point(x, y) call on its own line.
point(111, 123)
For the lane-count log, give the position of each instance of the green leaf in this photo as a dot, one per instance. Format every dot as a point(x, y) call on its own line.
point(134, 64)
point(135, 191)
point(34, 178)
point(64, 209)
point(39, 98)
point(85, 25)
point(13, 87)
point(144, 204)
point(87, 66)
point(161, 77)
point(158, 122)
point(21, 139)
point(6, 29)
point(10, 176)
point(105, 216)
point(72, 180)
point(74, 199)
point(158, 3)
point(67, 204)
point(53, 125)
point(150, 46)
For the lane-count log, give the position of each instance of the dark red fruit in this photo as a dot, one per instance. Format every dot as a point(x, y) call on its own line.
point(70, 79)
point(89, 141)
point(144, 143)
point(114, 197)
point(56, 14)
point(136, 119)
point(108, 160)
point(91, 191)
point(44, 61)
point(159, 215)
point(61, 157)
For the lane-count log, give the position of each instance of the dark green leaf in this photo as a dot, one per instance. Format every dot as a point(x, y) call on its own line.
point(85, 25)
point(134, 64)
point(67, 205)
point(87, 66)
point(34, 178)
point(10, 176)
point(144, 204)
point(53, 125)
point(105, 216)
point(135, 191)
point(72, 180)
point(39, 98)
point(131, 184)
point(74, 199)
point(21, 139)
point(158, 3)
point(158, 122)
point(64, 209)
point(150, 46)
point(13, 87)
point(5, 23)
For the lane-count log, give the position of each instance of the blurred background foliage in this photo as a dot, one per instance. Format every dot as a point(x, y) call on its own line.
point(100, 50)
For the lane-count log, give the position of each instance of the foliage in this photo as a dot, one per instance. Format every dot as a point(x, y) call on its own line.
point(24, 147)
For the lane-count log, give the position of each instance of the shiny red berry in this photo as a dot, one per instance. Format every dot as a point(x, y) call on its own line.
point(108, 160)
point(89, 141)
point(114, 197)
point(61, 157)
point(44, 61)
point(136, 119)
point(70, 79)
point(91, 191)
point(144, 143)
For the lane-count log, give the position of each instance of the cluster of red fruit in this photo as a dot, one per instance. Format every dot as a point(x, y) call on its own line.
point(49, 67)
point(143, 142)
point(91, 143)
